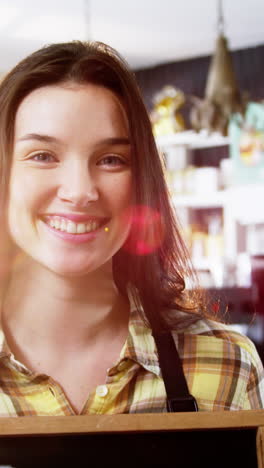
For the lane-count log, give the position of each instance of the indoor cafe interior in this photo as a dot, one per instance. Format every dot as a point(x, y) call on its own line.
point(199, 65)
point(199, 68)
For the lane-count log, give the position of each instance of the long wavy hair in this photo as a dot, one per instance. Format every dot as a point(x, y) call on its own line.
point(154, 260)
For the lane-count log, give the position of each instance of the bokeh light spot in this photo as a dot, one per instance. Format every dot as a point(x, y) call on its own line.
point(147, 231)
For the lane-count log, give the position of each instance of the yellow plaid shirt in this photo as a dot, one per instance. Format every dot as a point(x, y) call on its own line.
point(222, 368)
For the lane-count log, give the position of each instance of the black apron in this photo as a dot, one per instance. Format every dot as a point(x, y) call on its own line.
point(178, 397)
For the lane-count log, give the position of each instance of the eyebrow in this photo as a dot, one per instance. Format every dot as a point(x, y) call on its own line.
point(51, 139)
point(38, 137)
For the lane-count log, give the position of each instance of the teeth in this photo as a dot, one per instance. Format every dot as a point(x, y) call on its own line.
point(73, 228)
point(81, 228)
point(63, 225)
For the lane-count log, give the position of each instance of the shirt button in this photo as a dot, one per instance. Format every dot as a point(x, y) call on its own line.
point(101, 390)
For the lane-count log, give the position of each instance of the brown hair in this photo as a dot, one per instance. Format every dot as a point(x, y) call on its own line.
point(158, 276)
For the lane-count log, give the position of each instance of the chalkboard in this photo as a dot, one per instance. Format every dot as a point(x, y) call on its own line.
point(207, 449)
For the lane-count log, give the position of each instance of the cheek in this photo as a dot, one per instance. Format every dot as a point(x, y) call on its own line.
point(26, 192)
point(120, 200)
point(21, 206)
point(124, 192)
point(18, 203)
point(118, 194)
point(126, 210)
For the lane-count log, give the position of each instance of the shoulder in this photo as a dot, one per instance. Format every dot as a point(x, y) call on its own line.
point(223, 365)
point(211, 331)
point(213, 338)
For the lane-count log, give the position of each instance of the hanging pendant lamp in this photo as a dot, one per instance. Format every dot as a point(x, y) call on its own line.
point(222, 95)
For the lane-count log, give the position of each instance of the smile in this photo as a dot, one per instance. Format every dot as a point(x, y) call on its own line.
point(69, 226)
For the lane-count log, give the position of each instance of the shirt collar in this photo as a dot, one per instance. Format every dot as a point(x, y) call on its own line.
point(140, 345)
point(5, 353)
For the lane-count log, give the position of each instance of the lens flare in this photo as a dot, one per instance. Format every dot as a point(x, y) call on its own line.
point(147, 231)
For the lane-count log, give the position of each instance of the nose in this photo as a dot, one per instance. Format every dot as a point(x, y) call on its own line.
point(78, 186)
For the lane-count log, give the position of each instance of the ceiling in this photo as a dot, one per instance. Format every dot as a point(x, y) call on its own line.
point(145, 32)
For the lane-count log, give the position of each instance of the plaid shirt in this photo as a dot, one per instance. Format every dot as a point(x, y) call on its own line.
point(222, 368)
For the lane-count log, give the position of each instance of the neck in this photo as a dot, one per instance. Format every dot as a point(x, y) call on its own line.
point(43, 308)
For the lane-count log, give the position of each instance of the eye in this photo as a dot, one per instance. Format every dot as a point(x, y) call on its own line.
point(113, 160)
point(43, 157)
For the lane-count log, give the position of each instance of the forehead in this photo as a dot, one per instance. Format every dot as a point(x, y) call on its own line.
point(46, 108)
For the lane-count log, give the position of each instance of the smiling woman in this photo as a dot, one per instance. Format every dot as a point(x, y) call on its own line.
point(95, 315)
point(78, 175)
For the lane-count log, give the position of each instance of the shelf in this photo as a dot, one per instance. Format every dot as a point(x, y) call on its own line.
point(245, 203)
point(193, 139)
point(201, 200)
point(240, 201)
point(201, 264)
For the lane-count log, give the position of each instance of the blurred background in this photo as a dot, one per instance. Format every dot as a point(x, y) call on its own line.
point(200, 67)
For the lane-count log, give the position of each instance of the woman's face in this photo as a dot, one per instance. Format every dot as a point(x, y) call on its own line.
point(70, 185)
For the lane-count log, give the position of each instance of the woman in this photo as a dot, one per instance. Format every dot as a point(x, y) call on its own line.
point(99, 267)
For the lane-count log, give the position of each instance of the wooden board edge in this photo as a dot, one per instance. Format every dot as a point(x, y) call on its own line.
point(40, 425)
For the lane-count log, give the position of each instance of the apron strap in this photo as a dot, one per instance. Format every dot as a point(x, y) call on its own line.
point(178, 397)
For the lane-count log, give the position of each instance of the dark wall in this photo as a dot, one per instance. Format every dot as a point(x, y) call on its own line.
point(190, 75)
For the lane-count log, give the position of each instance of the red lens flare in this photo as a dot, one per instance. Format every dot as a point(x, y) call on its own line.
point(147, 231)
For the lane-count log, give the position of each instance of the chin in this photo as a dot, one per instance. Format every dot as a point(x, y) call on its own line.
point(70, 271)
